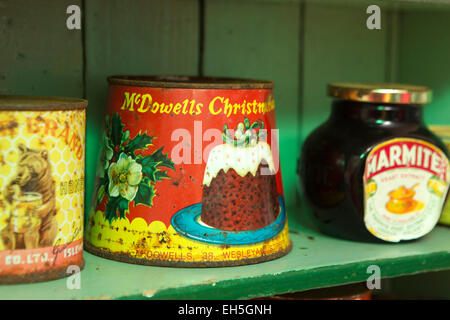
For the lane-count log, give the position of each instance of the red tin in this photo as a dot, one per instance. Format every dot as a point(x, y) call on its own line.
point(189, 174)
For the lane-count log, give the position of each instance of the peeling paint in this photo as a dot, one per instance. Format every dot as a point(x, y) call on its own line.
point(149, 293)
point(213, 281)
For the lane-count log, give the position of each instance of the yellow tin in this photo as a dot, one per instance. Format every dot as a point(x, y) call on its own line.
point(42, 156)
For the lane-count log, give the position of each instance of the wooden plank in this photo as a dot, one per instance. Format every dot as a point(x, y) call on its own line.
point(393, 43)
point(338, 47)
point(260, 40)
point(424, 58)
point(134, 37)
point(316, 261)
point(39, 55)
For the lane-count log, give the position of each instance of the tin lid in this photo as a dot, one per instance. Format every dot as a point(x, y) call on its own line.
point(380, 92)
point(189, 82)
point(33, 103)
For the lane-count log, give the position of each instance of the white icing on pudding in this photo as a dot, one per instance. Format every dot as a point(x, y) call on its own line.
point(242, 159)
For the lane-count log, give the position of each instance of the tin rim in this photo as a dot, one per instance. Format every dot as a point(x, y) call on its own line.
point(40, 103)
point(189, 82)
point(380, 92)
point(40, 276)
point(125, 258)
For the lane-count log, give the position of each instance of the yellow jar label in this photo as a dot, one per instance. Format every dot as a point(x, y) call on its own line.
point(406, 183)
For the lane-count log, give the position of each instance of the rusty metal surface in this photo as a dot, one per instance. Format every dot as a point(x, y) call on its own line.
point(46, 181)
point(189, 82)
point(123, 257)
point(34, 277)
point(37, 103)
point(112, 237)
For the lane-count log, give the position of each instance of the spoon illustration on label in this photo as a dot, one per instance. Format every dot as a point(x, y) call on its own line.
point(402, 200)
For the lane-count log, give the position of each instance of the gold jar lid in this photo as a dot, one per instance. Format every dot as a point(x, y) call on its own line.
point(380, 92)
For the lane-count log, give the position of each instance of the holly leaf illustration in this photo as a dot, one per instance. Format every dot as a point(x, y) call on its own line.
point(148, 167)
point(150, 171)
point(255, 125)
point(159, 175)
point(119, 140)
point(101, 192)
point(150, 164)
point(116, 129)
point(116, 208)
point(139, 142)
point(156, 159)
point(107, 122)
point(246, 123)
point(145, 193)
point(161, 159)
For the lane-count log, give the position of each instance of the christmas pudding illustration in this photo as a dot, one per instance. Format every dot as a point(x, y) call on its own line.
point(236, 196)
point(240, 200)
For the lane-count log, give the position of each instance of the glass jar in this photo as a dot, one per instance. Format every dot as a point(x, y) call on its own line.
point(373, 170)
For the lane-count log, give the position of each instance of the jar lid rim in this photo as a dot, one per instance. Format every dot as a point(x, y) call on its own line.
point(380, 92)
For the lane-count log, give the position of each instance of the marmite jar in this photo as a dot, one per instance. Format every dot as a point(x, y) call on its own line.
point(373, 171)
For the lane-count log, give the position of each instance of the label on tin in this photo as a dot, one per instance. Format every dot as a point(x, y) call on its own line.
point(445, 218)
point(405, 183)
point(189, 176)
point(41, 190)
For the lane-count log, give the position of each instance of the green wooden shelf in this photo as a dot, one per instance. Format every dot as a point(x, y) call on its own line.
point(300, 45)
point(315, 261)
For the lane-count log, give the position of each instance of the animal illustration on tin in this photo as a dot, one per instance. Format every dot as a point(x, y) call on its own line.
point(30, 195)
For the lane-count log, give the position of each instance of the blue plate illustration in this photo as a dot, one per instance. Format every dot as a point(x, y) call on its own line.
point(187, 222)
